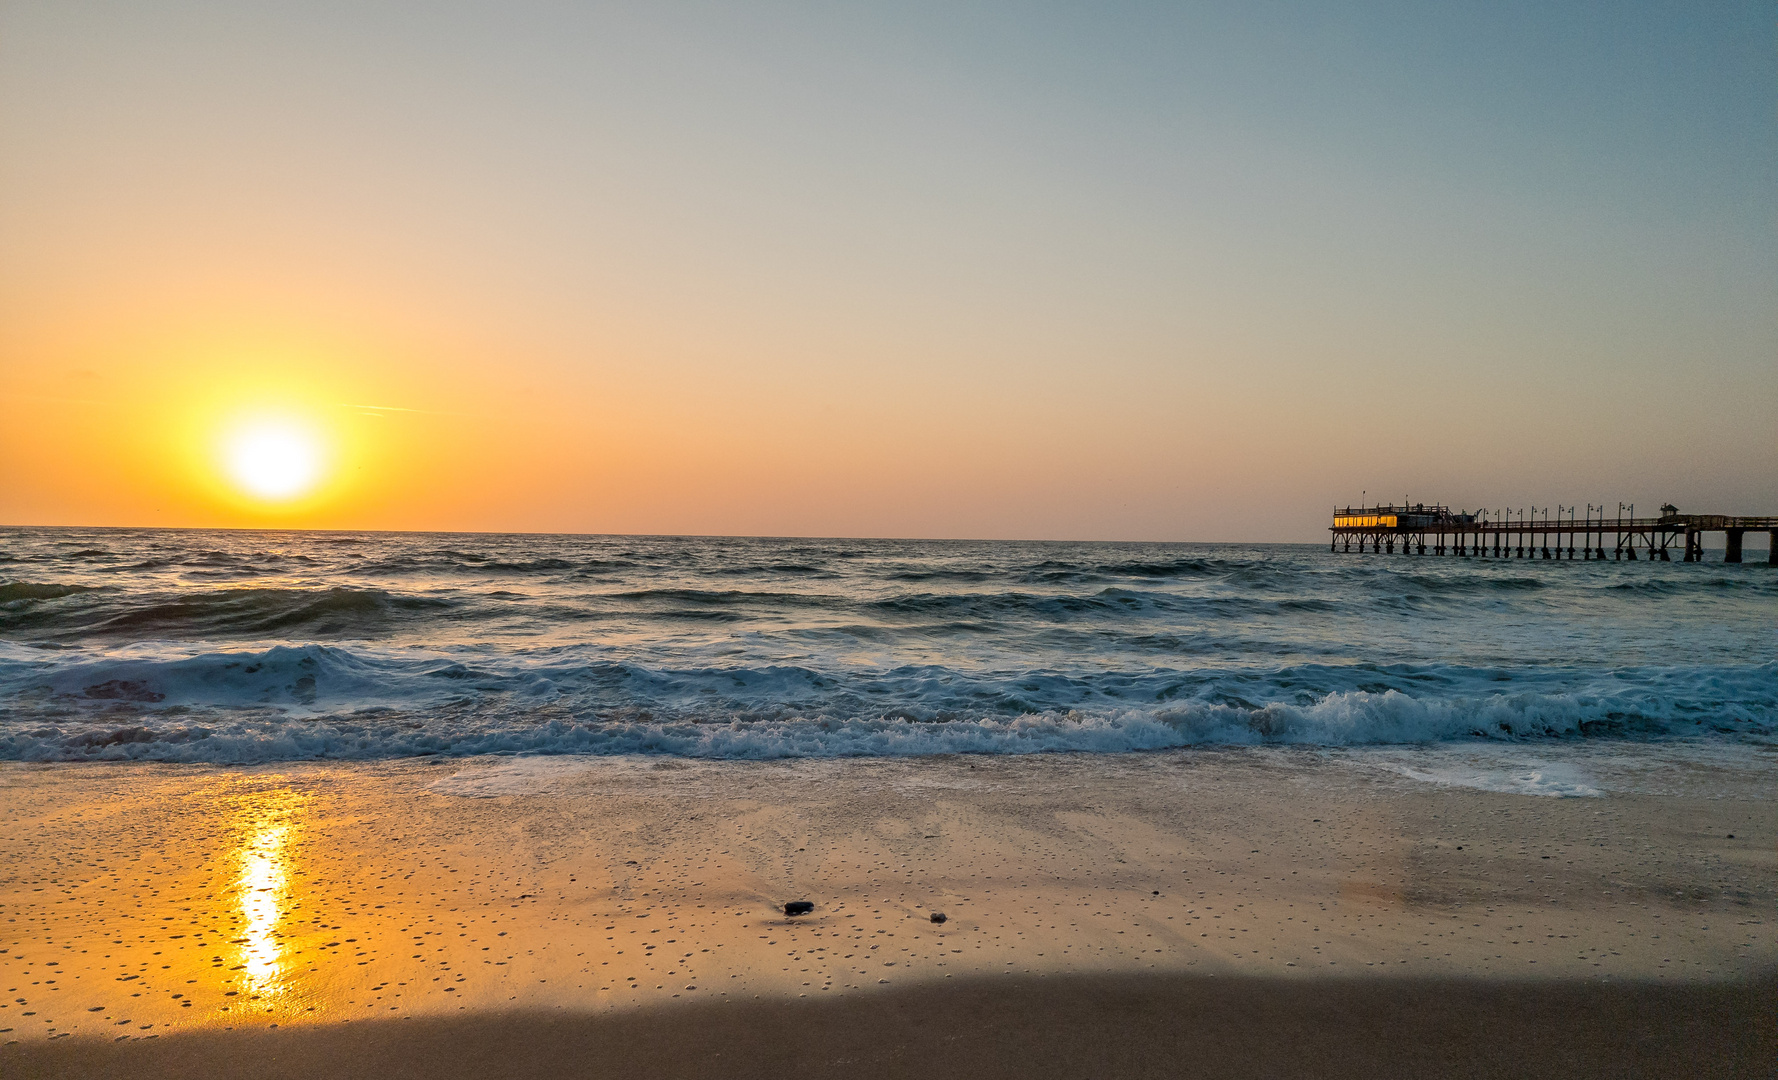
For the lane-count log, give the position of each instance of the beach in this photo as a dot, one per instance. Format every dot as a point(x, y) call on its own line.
point(1562, 909)
point(635, 541)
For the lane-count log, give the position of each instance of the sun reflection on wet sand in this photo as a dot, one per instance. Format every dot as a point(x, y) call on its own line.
point(263, 888)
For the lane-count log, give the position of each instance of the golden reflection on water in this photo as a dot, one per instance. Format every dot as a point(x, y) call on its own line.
point(263, 889)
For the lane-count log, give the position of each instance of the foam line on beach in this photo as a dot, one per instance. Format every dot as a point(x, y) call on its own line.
point(1558, 780)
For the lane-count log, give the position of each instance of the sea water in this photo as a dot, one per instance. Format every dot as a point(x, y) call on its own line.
point(244, 646)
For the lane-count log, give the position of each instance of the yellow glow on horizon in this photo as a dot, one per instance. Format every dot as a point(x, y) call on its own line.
point(263, 438)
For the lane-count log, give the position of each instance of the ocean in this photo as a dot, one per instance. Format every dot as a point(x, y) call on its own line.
point(248, 647)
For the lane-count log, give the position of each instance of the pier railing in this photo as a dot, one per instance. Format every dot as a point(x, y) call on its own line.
point(1422, 529)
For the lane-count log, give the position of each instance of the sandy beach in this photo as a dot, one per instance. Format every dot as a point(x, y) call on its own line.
point(638, 541)
point(1211, 912)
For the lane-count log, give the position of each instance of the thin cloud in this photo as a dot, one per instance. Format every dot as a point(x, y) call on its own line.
point(374, 410)
point(59, 400)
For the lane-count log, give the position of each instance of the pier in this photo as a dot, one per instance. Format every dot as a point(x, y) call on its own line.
point(1550, 533)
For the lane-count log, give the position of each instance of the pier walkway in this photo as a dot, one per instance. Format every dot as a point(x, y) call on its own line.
point(1422, 529)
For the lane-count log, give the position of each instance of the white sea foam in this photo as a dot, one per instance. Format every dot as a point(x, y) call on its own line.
point(1347, 719)
point(511, 776)
point(1552, 779)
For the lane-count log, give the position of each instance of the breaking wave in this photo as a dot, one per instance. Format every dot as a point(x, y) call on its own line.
point(326, 702)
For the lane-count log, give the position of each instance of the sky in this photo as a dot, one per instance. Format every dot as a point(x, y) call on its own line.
point(1130, 271)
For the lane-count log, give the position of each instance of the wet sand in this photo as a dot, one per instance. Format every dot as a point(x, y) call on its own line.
point(1270, 910)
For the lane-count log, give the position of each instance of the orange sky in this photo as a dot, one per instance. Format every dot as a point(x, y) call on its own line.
point(872, 275)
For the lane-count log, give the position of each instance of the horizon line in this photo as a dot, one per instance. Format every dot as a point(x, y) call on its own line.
point(649, 536)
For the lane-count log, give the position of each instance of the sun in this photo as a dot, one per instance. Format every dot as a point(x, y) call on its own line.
point(275, 460)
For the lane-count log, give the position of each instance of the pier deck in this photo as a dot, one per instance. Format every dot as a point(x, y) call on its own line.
point(1420, 529)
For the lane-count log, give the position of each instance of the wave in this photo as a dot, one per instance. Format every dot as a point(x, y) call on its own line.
point(786, 569)
point(23, 591)
point(967, 608)
point(527, 566)
point(335, 612)
point(198, 561)
point(1471, 583)
point(1062, 571)
point(1114, 602)
point(967, 576)
point(1756, 583)
point(724, 597)
point(315, 701)
point(1347, 719)
point(1173, 568)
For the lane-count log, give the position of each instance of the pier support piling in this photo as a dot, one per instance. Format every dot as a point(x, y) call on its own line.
point(1733, 554)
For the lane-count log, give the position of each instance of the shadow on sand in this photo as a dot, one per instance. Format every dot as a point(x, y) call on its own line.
point(1061, 1026)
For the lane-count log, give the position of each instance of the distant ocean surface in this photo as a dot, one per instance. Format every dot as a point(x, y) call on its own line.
point(226, 646)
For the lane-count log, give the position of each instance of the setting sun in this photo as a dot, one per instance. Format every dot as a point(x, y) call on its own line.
point(274, 460)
